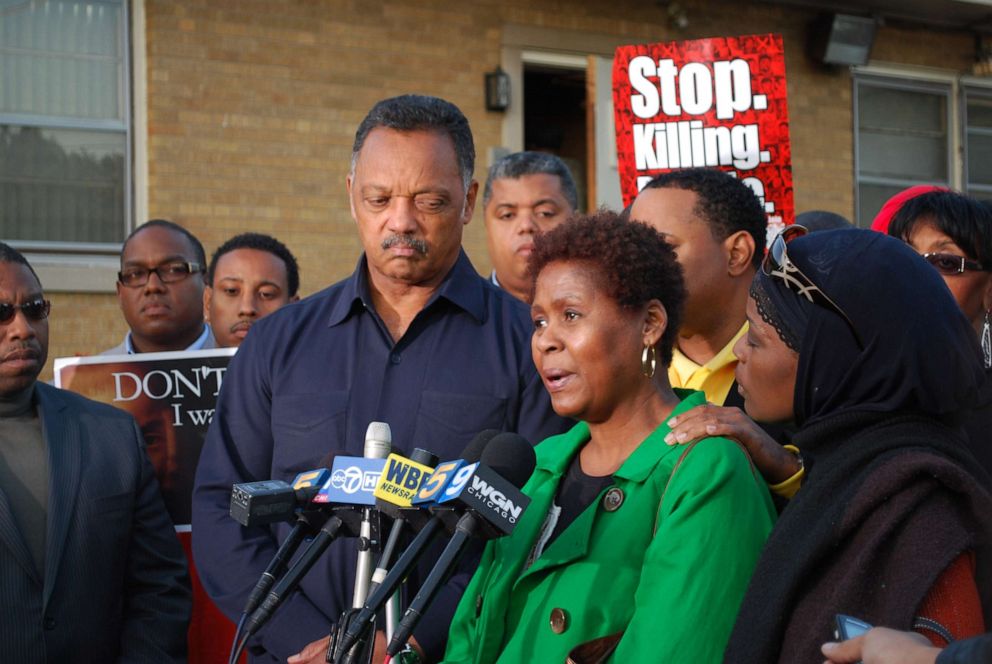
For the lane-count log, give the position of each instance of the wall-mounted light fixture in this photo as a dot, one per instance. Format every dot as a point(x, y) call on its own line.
point(842, 39)
point(497, 90)
point(678, 17)
point(983, 57)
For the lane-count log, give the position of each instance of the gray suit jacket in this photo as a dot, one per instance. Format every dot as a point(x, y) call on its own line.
point(115, 587)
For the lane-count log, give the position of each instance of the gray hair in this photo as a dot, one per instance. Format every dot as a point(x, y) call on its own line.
point(421, 113)
point(519, 164)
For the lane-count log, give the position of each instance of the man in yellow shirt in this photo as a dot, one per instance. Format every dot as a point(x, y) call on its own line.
point(717, 227)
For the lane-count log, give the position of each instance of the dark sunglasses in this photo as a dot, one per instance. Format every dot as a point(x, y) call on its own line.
point(169, 273)
point(950, 264)
point(777, 264)
point(34, 310)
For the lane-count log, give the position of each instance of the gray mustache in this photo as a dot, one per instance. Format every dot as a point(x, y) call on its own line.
point(418, 245)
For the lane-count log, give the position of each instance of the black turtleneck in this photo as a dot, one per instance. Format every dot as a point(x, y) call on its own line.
point(24, 470)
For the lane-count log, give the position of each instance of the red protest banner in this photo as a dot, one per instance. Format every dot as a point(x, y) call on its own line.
point(717, 102)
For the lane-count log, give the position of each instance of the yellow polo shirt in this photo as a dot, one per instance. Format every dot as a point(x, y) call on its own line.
point(713, 378)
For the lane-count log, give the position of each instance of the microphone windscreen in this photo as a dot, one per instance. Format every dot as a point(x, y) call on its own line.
point(473, 451)
point(424, 457)
point(378, 441)
point(511, 456)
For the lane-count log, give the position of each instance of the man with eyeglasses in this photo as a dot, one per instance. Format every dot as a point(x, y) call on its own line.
point(90, 567)
point(160, 290)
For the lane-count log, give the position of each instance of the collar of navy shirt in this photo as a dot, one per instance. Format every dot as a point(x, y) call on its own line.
point(462, 286)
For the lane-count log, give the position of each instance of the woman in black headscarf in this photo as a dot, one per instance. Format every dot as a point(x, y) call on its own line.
point(856, 340)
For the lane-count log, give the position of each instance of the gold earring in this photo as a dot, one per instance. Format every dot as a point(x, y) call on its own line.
point(649, 360)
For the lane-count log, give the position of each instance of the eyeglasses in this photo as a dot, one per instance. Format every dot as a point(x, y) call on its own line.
point(169, 273)
point(777, 264)
point(950, 264)
point(34, 310)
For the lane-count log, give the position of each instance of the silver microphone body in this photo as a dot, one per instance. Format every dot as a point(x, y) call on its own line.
point(378, 444)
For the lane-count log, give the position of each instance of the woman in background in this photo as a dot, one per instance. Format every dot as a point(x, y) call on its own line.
point(953, 232)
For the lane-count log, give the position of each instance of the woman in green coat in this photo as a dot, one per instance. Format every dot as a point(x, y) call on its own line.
point(625, 536)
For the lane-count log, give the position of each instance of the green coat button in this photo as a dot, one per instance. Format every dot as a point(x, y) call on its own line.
point(559, 621)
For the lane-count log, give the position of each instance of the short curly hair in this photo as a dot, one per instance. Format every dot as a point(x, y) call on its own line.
point(725, 203)
point(631, 262)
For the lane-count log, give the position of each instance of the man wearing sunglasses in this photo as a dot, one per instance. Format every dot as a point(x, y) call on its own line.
point(160, 290)
point(88, 555)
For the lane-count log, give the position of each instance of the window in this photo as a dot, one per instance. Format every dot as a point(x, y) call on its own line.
point(65, 155)
point(978, 141)
point(902, 138)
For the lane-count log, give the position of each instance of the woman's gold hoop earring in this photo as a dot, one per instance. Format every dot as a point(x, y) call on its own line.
point(649, 360)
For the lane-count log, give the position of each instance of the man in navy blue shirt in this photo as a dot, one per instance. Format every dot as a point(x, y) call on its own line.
point(415, 337)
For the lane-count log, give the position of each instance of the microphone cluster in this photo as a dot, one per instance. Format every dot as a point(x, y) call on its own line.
point(475, 496)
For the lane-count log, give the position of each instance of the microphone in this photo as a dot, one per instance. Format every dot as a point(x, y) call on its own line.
point(401, 480)
point(270, 501)
point(288, 583)
point(428, 530)
point(378, 444)
point(490, 492)
point(307, 523)
point(350, 488)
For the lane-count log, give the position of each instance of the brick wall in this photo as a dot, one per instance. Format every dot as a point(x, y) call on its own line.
point(252, 108)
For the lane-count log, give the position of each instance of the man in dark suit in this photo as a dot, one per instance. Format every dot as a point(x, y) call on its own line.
point(90, 567)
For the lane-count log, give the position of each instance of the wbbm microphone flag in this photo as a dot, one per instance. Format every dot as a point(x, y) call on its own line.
point(401, 480)
point(717, 103)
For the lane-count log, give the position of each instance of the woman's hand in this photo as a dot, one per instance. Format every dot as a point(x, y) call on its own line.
point(882, 646)
point(775, 463)
point(315, 652)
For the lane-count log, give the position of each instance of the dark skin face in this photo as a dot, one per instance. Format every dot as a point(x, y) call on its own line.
point(766, 370)
point(23, 342)
point(972, 289)
point(586, 347)
point(410, 204)
point(249, 284)
point(162, 316)
point(717, 272)
point(518, 210)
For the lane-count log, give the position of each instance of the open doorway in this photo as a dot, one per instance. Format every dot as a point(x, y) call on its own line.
point(555, 117)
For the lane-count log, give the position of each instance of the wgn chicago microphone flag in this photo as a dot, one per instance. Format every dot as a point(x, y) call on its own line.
point(717, 102)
